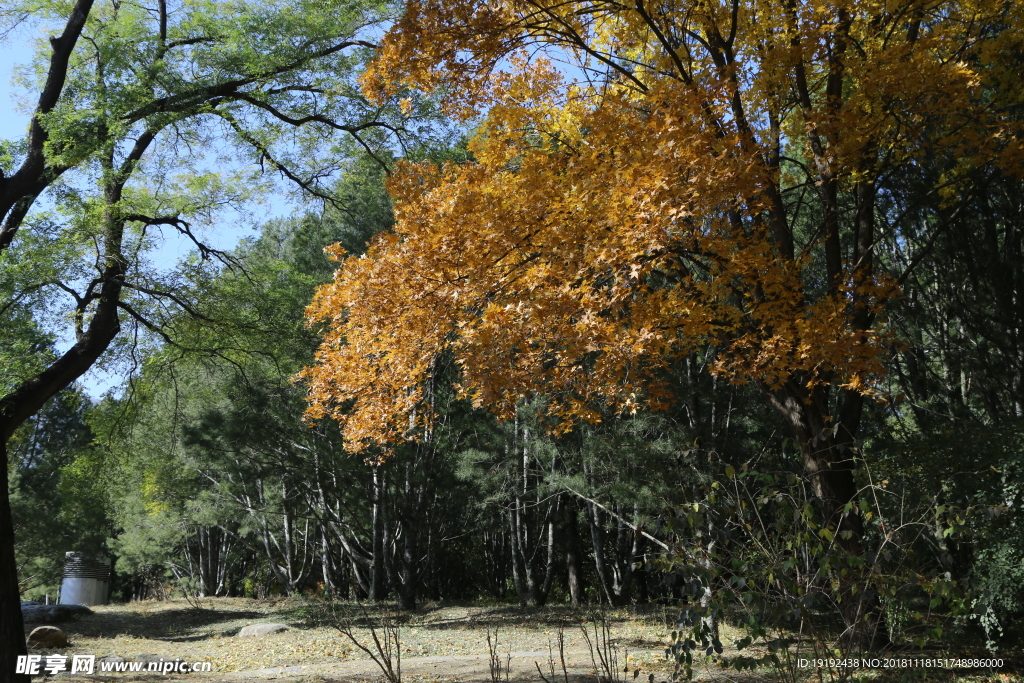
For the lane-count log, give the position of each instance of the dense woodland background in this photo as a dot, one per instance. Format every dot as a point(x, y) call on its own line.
point(202, 477)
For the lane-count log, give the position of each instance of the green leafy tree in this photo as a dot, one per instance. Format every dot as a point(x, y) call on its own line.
point(215, 414)
point(952, 434)
point(57, 492)
point(137, 111)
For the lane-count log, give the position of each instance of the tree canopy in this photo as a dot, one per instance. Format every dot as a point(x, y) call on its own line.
point(698, 173)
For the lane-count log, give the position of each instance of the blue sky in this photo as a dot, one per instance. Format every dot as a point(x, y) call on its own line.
point(17, 50)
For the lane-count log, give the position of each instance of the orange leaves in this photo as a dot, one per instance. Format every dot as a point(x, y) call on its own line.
point(580, 274)
point(688, 195)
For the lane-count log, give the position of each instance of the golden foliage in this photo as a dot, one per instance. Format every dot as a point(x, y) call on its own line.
point(608, 225)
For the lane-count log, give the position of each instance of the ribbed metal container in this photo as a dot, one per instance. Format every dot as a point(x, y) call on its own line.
point(86, 580)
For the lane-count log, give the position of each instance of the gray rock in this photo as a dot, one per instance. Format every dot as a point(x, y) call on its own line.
point(47, 637)
point(40, 614)
point(52, 614)
point(261, 630)
point(111, 659)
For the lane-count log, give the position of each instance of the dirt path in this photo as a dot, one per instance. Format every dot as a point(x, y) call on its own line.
point(515, 666)
point(520, 666)
point(438, 643)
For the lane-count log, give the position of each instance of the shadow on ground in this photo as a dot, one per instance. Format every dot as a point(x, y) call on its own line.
point(174, 625)
point(453, 616)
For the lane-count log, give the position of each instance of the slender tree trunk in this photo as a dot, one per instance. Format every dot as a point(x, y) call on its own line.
point(572, 553)
point(597, 540)
point(345, 577)
point(377, 592)
point(625, 550)
point(519, 568)
point(408, 570)
point(544, 590)
point(709, 620)
point(497, 559)
point(288, 541)
point(325, 562)
point(519, 520)
point(324, 516)
point(643, 590)
point(430, 570)
point(525, 537)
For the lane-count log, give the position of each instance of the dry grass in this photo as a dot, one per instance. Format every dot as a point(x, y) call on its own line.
point(439, 643)
point(174, 629)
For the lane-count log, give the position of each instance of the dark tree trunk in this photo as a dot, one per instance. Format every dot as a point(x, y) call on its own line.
point(406, 586)
point(410, 518)
point(12, 628)
point(642, 590)
point(828, 446)
point(597, 542)
point(430, 570)
point(495, 562)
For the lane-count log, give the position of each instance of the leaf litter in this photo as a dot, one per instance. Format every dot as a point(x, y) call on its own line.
point(436, 634)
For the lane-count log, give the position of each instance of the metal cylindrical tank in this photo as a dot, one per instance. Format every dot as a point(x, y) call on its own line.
point(86, 580)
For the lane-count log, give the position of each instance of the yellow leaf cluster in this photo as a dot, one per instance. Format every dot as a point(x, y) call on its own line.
point(609, 224)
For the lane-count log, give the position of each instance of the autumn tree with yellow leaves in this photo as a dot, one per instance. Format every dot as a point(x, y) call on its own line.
point(652, 178)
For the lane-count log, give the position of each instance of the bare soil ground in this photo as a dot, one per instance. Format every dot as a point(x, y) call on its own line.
point(439, 644)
